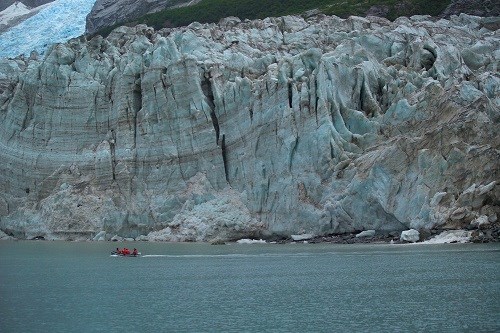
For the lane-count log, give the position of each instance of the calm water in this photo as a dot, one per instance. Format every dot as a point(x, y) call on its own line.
point(78, 287)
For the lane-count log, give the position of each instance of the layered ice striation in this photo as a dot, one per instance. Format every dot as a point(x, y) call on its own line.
point(254, 129)
point(55, 22)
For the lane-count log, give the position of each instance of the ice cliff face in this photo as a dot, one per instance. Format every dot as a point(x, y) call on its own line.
point(258, 128)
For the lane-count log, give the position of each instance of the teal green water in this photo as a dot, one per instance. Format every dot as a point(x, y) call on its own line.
point(78, 287)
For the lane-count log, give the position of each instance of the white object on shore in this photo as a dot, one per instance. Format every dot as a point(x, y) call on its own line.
point(411, 235)
point(302, 237)
point(366, 233)
point(250, 241)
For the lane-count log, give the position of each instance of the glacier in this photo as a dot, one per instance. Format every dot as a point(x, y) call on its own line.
point(254, 129)
point(57, 22)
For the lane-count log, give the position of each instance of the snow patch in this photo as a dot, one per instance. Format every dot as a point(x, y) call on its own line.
point(17, 9)
point(4, 236)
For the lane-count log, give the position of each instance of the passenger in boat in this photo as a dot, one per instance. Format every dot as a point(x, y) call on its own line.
point(126, 251)
point(135, 252)
point(118, 251)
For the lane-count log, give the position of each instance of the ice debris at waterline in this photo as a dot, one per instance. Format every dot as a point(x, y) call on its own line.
point(450, 236)
point(411, 235)
point(251, 241)
point(256, 129)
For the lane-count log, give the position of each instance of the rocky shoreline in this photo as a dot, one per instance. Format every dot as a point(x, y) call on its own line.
point(434, 236)
point(487, 236)
point(491, 234)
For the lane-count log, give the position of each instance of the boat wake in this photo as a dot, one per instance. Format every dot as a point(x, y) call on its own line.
point(229, 255)
point(197, 255)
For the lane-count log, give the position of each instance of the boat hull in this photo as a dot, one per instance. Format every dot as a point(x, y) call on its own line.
point(116, 254)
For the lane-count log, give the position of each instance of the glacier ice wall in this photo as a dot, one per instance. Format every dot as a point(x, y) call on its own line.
point(253, 129)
